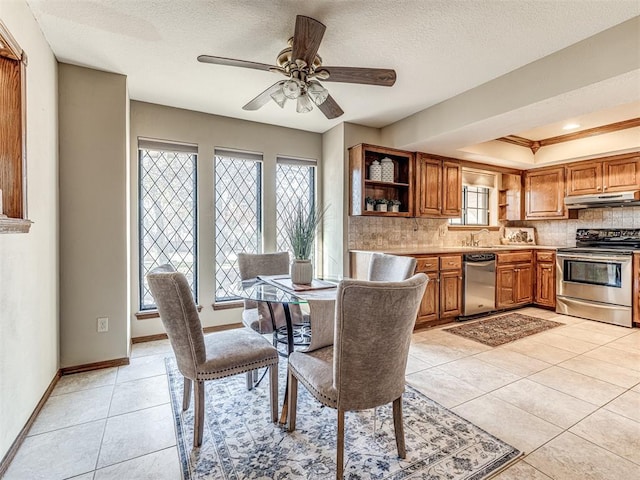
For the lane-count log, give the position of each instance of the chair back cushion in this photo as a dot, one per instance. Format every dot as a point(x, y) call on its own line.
point(252, 265)
point(374, 323)
point(390, 268)
point(180, 318)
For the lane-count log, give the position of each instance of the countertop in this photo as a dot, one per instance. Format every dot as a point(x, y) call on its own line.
point(429, 250)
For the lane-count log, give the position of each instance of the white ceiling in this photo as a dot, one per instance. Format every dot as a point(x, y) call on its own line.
point(438, 48)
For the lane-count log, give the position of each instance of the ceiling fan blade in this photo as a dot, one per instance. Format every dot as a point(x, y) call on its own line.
point(330, 108)
point(232, 62)
point(385, 77)
point(262, 99)
point(306, 39)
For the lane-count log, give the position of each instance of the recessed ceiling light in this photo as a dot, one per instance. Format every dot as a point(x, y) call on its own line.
point(571, 126)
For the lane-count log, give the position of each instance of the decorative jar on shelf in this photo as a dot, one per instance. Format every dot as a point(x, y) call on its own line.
point(387, 169)
point(395, 206)
point(375, 171)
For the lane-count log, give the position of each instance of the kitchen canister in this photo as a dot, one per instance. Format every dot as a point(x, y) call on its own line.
point(375, 171)
point(387, 169)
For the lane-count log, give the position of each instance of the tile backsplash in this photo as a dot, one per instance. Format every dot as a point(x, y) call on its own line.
point(378, 233)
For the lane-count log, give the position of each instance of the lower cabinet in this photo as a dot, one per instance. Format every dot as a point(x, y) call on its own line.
point(545, 289)
point(514, 279)
point(442, 300)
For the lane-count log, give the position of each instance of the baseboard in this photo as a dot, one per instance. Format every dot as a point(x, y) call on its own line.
point(163, 336)
point(117, 362)
point(11, 453)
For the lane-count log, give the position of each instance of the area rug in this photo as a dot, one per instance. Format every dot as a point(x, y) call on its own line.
point(240, 442)
point(504, 329)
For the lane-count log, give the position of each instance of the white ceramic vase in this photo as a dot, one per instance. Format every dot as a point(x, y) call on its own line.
point(301, 272)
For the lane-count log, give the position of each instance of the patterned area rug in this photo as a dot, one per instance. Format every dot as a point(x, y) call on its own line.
point(504, 329)
point(240, 442)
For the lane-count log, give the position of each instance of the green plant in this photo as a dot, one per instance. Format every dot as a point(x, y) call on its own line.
point(301, 227)
point(381, 201)
point(395, 202)
point(369, 201)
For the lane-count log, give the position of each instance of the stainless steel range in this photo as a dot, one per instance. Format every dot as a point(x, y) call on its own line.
point(594, 280)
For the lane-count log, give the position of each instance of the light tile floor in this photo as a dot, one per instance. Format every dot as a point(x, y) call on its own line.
point(568, 397)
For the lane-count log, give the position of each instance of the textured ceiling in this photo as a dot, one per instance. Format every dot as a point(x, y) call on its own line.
point(438, 48)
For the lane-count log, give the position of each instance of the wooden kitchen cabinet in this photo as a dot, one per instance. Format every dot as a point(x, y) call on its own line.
point(612, 174)
point(545, 285)
point(438, 187)
point(442, 301)
point(544, 193)
point(362, 186)
point(514, 279)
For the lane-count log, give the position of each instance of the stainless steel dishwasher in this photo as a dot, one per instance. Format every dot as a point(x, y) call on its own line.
point(479, 283)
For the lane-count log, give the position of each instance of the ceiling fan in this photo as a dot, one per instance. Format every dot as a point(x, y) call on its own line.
point(302, 66)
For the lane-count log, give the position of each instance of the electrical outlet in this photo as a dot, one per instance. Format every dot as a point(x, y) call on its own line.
point(103, 324)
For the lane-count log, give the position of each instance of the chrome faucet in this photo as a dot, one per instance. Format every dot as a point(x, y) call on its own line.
point(474, 242)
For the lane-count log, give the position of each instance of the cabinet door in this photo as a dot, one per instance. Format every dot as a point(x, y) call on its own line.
point(450, 293)
point(621, 175)
point(429, 186)
point(505, 281)
point(452, 189)
point(544, 193)
point(524, 283)
point(430, 301)
point(545, 284)
point(584, 178)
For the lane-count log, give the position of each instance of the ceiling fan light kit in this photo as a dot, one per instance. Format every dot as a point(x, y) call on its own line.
point(302, 65)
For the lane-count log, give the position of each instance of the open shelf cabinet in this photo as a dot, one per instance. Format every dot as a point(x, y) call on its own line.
point(360, 158)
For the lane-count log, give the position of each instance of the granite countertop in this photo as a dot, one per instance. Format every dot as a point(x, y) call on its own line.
point(438, 250)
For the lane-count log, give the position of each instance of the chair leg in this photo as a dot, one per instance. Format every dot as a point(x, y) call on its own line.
point(273, 388)
point(249, 380)
point(198, 414)
point(399, 427)
point(340, 446)
point(255, 375)
point(293, 402)
point(186, 395)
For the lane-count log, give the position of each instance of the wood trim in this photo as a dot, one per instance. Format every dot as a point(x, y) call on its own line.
point(590, 132)
point(9, 48)
point(163, 336)
point(227, 305)
point(488, 167)
point(14, 225)
point(87, 367)
point(15, 446)
point(534, 145)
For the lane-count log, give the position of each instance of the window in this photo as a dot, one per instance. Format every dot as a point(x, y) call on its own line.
point(168, 212)
point(295, 183)
point(238, 215)
point(475, 207)
point(13, 198)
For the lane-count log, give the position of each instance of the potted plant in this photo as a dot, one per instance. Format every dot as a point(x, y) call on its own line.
point(369, 204)
point(381, 205)
point(395, 205)
point(301, 228)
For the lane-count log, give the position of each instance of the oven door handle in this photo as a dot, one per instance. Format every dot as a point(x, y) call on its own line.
point(587, 257)
point(602, 305)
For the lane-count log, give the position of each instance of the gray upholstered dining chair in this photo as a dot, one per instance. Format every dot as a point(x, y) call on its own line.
point(340, 376)
point(256, 314)
point(390, 268)
point(207, 357)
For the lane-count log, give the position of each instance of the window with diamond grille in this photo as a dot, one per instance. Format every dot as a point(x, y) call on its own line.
point(295, 183)
point(167, 223)
point(238, 215)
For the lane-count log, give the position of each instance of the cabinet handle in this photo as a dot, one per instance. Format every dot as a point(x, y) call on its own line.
point(604, 188)
point(598, 187)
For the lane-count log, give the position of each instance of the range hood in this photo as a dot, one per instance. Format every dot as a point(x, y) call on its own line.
point(618, 199)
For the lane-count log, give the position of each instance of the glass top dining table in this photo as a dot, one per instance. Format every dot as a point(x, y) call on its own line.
point(279, 290)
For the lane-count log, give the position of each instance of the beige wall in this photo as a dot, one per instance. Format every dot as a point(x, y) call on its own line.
point(29, 262)
point(208, 132)
point(93, 214)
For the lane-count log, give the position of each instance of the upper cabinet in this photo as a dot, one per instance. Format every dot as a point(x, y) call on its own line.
point(615, 174)
point(438, 187)
point(544, 193)
point(384, 176)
